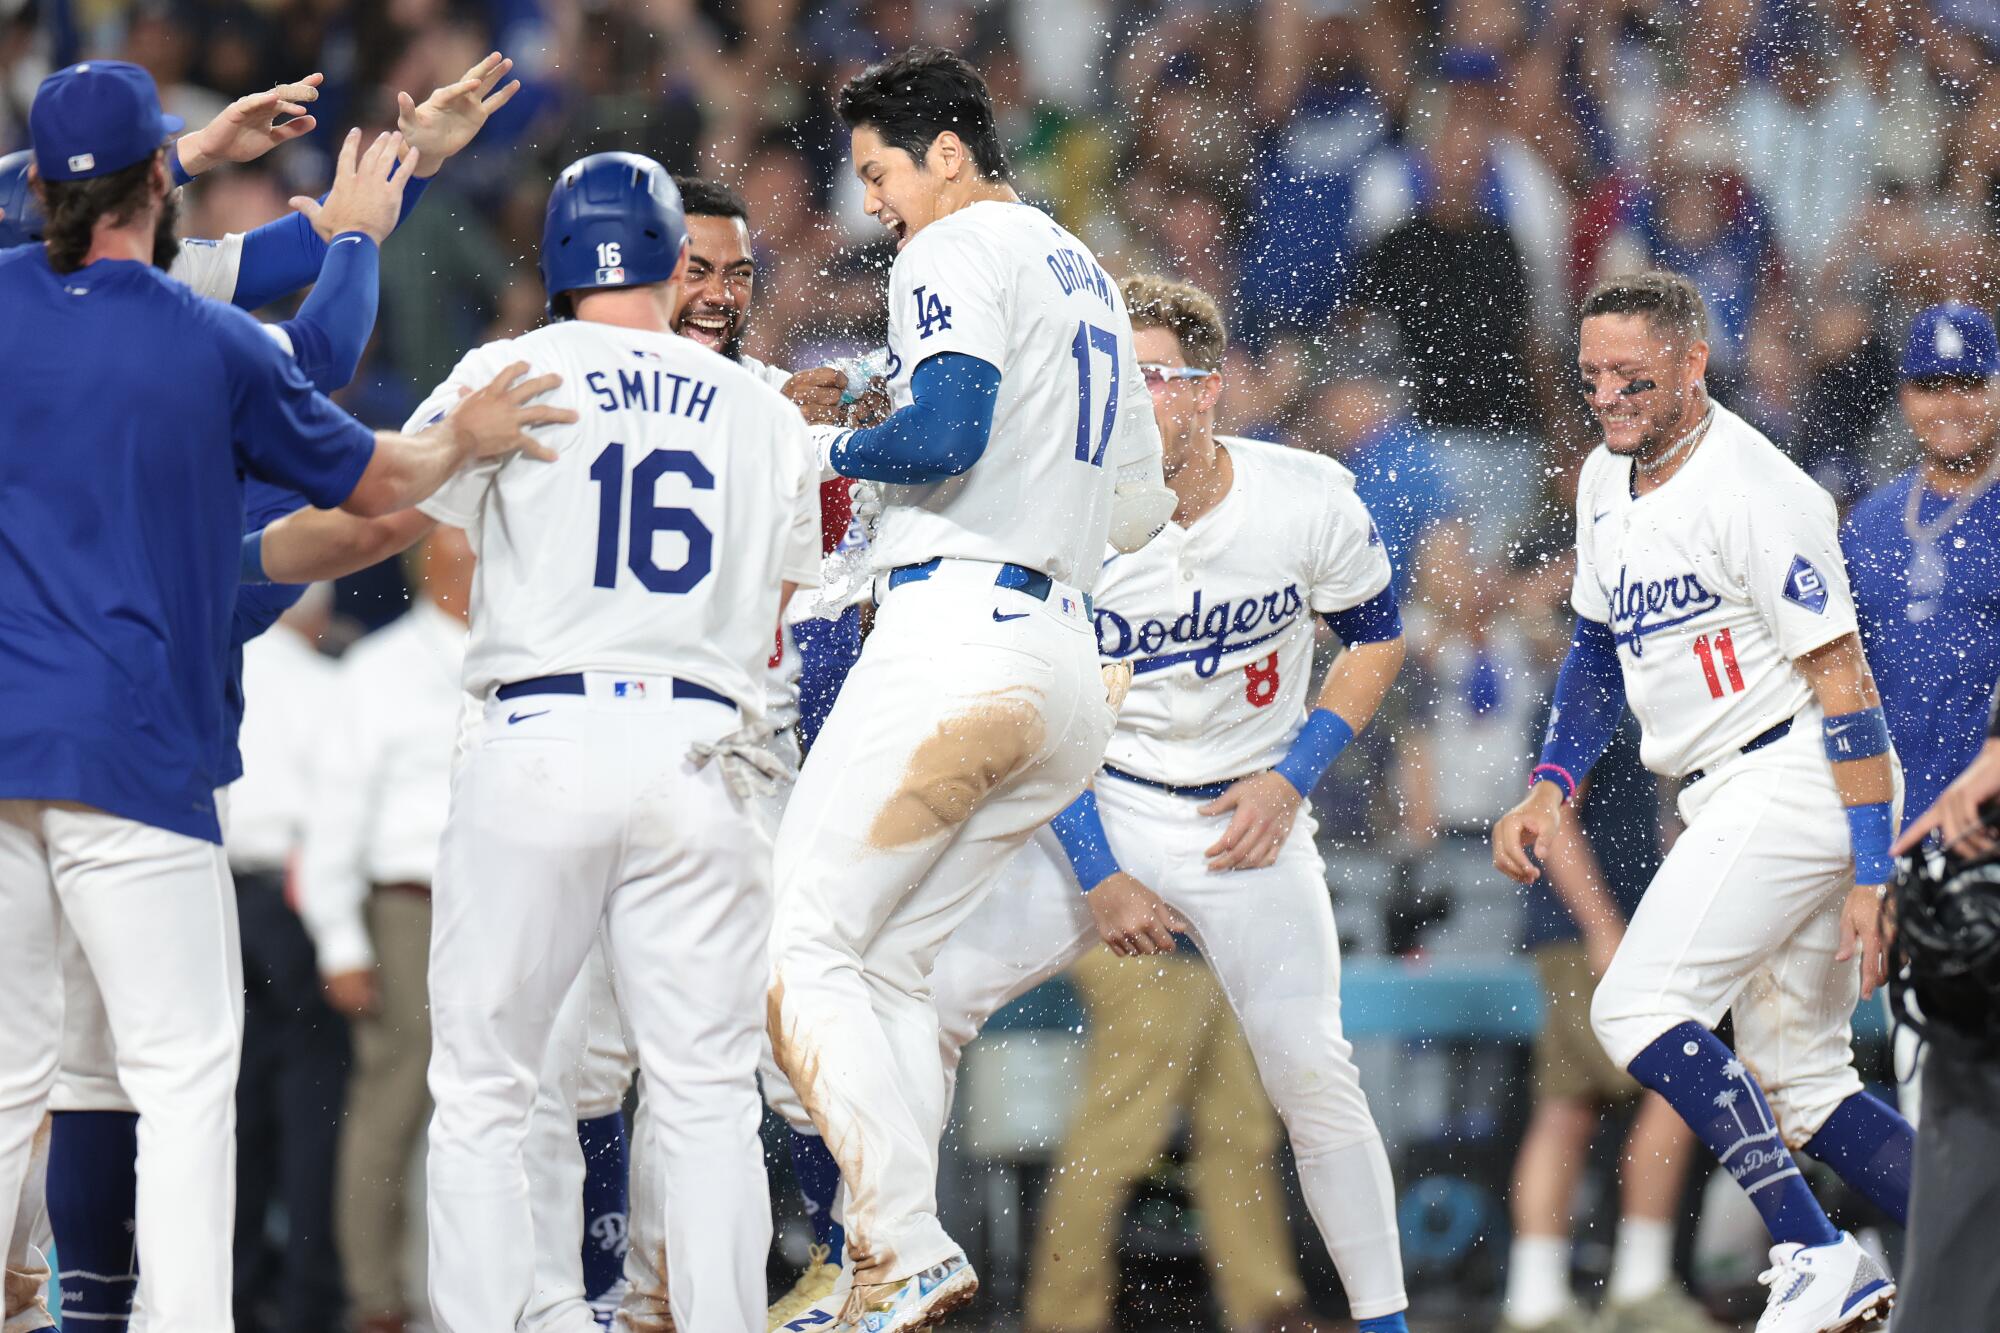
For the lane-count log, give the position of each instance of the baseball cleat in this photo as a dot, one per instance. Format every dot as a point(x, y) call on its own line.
point(915, 1303)
point(815, 1284)
point(1824, 1288)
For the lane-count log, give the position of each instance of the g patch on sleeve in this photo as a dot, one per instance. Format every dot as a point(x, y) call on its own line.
point(1804, 586)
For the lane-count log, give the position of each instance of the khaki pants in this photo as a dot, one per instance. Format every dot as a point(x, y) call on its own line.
point(1163, 1041)
point(387, 1105)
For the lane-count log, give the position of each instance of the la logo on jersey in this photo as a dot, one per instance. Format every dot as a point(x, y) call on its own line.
point(1804, 586)
point(932, 313)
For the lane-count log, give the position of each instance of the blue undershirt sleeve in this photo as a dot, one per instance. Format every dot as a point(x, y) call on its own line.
point(331, 329)
point(1589, 704)
point(1080, 830)
point(281, 257)
point(941, 434)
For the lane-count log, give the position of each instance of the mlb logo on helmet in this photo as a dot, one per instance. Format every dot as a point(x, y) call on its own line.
point(610, 277)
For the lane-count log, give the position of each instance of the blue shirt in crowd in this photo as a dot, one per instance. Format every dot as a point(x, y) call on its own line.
point(1619, 818)
point(132, 412)
point(1930, 622)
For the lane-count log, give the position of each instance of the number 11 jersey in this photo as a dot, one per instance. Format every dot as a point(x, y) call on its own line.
point(680, 500)
point(1712, 584)
point(1003, 283)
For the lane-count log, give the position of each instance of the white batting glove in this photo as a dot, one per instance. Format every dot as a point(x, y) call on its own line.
point(750, 765)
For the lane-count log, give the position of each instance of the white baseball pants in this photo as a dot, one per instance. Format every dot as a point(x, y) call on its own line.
point(1744, 917)
point(1269, 936)
point(586, 812)
point(974, 715)
point(154, 914)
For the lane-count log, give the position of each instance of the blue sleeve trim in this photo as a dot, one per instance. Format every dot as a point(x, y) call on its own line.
point(332, 328)
point(1325, 734)
point(278, 258)
point(252, 568)
point(412, 192)
point(1376, 620)
point(1081, 832)
point(180, 173)
point(941, 434)
point(1858, 735)
point(1870, 829)
point(1589, 704)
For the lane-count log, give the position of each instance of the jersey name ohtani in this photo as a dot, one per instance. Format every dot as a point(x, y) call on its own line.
point(1217, 630)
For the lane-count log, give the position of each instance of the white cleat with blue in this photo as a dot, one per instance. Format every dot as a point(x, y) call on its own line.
point(915, 1303)
point(1824, 1288)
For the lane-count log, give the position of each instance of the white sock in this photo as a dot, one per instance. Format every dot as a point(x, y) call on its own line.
point(1643, 1261)
point(1538, 1279)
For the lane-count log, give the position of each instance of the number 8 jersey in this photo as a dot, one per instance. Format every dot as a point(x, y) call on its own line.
point(1216, 619)
point(680, 500)
point(1003, 283)
point(1712, 584)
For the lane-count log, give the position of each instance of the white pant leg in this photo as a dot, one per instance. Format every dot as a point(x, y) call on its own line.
point(584, 1077)
point(87, 1078)
point(155, 915)
point(529, 852)
point(27, 1280)
point(955, 737)
point(1745, 913)
point(31, 1000)
point(644, 1308)
point(1269, 936)
point(688, 927)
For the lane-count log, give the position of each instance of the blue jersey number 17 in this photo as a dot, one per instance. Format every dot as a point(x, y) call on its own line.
point(648, 518)
point(1089, 338)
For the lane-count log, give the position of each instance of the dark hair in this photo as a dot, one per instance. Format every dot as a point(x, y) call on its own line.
point(910, 99)
point(1667, 300)
point(711, 199)
point(1182, 309)
point(70, 209)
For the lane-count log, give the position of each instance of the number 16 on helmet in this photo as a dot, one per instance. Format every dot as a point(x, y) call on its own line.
point(614, 220)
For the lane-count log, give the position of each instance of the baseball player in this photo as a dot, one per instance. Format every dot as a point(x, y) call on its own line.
point(1711, 594)
point(623, 609)
point(116, 633)
point(976, 711)
point(1194, 823)
point(92, 1134)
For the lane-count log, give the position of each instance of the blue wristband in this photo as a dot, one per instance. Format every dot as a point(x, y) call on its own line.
point(1859, 735)
point(251, 570)
point(1081, 833)
point(1314, 749)
point(180, 173)
point(1871, 828)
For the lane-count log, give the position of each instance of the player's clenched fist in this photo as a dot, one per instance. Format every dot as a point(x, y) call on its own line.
point(367, 193)
point(1265, 805)
point(1131, 919)
point(1527, 826)
point(495, 420)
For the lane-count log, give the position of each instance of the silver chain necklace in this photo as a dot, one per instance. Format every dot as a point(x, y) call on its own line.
point(1652, 466)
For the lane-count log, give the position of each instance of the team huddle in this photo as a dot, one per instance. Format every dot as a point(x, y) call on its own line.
point(1082, 714)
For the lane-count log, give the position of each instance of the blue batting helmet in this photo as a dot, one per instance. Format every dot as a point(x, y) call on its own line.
point(614, 220)
point(22, 224)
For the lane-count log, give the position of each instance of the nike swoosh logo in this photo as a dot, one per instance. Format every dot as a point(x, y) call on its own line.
point(1598, 518)
point(1017, 615)
point(512, 718)
point(348, 240)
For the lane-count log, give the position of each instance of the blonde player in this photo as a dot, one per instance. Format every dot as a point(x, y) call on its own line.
point(1195, 823)
point(622, 612)
point(1711, 594)
point(976, 711)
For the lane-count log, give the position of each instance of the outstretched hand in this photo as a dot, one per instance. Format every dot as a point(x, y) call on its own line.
point(452, 116)
point(496, 417)
point(367, 193)
point(249, 127)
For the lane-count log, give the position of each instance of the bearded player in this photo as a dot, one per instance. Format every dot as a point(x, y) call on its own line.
point(976, 711)
point(1711, 595)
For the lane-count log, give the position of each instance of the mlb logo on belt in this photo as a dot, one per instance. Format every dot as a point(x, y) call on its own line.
point(628, 689)
point(1069, 606)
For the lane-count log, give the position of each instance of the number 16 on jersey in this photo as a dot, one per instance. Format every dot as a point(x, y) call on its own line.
point(649, 517)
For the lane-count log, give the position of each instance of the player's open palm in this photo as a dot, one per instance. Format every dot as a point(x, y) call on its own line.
point(1529, 826)
point(367, 193)
point(1131, 919)
point(1261, 808)
point(249, 127)
point(452, 116)
point(496, 418)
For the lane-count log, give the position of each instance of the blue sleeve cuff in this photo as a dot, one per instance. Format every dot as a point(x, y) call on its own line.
point(1325, 734)
point(1589, 704)
point(180, 173)
point(1081, 832)
point(941, 434)
point(252, 568)
point(332, 328)
point(1871, 828)
point(412, 192)
point(1376, 620)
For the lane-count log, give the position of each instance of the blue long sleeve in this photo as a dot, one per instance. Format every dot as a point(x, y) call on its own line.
point(282, 256)
point(331, 329)
point(941, 434)
point(1589, 704)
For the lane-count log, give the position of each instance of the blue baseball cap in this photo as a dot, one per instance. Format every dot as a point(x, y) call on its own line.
point(96, 118)
point(1952, 339)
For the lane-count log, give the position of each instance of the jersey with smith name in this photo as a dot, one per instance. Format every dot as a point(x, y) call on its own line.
point(683, 496)
point(1003, 283)
point(1217, 619)
point(1713, 584)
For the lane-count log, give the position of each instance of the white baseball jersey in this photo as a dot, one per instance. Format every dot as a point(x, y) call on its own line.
point(681, 498)
point(1713, 584)
point(209, 268)
point(1004, 283)
point(1216, 619)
